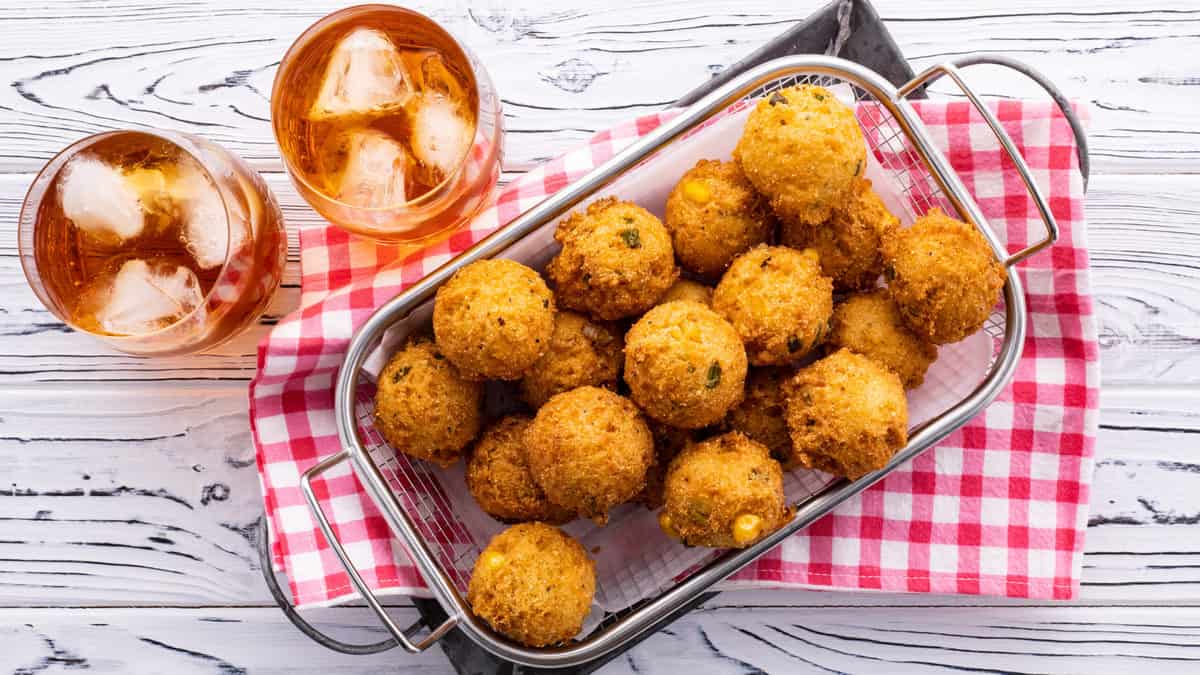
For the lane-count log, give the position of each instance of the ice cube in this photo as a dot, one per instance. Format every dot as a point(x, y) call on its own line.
point(206, 229)
point(365, 75)
point(98, 199)
point(435, 77)
point(373, 174)
point(441, 135)
point(141, 299)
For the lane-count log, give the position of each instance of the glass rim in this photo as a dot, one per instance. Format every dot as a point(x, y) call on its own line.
point(430, 197)
point(42, 182)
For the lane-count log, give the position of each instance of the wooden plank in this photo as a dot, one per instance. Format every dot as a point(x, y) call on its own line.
point(711, 640)
point(134, 493)
point(567, 69)
point(1143, 242)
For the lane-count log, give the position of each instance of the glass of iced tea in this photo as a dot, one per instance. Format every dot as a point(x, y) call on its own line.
point(388, 126)
point(157, 242)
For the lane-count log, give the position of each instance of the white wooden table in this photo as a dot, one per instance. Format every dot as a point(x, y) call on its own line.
point(128, 492)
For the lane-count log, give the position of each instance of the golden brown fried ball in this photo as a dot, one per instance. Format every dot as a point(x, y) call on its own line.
point(714, 214)
point(779, 302)
point(725, 492)
point(686, 289)
point(581, 352)
point(762, 414)
point(534, 584)
point(847, 415)
point(944, 277)
point(499, 480)
point(589, 450)
point(871, 325)
point(616, 260)
point(685, 365)
point(802, 148)
point(668, 442)
point(424, 407)
point(848, 243)
point(494, 319)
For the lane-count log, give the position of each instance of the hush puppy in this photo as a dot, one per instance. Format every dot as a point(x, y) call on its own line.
point(761, 416)
point(581, 352)
point(686, 289)
point(713, 214)
point(616, 260)
point(684, 364)
point(668, 442)
point(494, 319)
point(943, 276)
point(802, 148)
point(424, 407)
point(847, 415)
point(871, 325)
point(725, 492)
point(589, 450)
point(779, 302)
point(849, 242)
point(534, 584)
point(499, 480)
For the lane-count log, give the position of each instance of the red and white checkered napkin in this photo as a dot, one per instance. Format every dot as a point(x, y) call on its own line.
point(999, 507)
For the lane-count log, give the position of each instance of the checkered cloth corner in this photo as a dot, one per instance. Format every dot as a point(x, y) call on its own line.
point(999, 507)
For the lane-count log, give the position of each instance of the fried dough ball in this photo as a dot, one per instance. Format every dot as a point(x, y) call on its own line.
point(802, 148)
point(848, 243)
point(943, 276)
point(589, 450)
point(424, 407)
point(713, 214)
point(847, 415)
point(684, 364)
point(871, 325)
point(494, 319)
point(686, 289)
point(762, 416)
point(534, 584)
point(779, 302)
point(581, 352)
point(668, 442)
point(725, 492)
point(499, 480)
point(616, 260)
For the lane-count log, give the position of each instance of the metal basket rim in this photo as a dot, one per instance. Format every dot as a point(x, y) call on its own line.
point(640, 619)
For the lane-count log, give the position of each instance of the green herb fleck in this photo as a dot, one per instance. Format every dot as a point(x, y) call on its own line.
point(714, 375)
point(628, 219)
point(819, 96)
point(857, 167)
point(794, 344)
point(399, 374)
point(889, 273)
point(632, 238)
point(766, 261)
point(776, 98)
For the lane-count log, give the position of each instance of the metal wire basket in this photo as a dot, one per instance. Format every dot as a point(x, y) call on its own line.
point(413, 500)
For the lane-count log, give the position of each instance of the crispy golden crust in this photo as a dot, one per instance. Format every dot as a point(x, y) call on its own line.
point(499, 480)
point(871, 325)
point(668, 442)
point(847, 415)
point(424, 407)
point(581, 352)
point(943, 276)
point(685, 365)
point(762, 415)
point(778, 301)
point(686, 289)
point(710, 484)
point(589, 450)
point(802, 148)
point(849, 241)
point(494, 319)
point(713, 214)
point(616, 260)
point(534, 584)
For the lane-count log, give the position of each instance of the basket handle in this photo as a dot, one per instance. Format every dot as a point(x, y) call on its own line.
point(403, 637)
point(951, 70)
